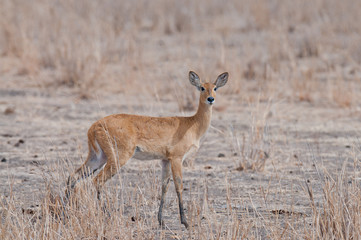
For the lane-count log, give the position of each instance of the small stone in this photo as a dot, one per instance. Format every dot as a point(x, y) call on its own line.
point(9, 110)
point(34, 162)
point(19, 142)
point(3, 160)
point(221, 155)
point(134, 219)
point(240, 168)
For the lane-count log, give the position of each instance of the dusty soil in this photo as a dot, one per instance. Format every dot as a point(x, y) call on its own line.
point(40, 130)
point(292, 102)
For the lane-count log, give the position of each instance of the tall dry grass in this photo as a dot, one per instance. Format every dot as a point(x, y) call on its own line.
point(300, 51)
point(339, 216)
point(128, 210)
point(253, 148)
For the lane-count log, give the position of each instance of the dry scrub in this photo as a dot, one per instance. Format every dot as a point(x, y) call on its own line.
point(129, 211)
point(339, 216)
point(253, 148)
point(282, 56)
point(304, 51)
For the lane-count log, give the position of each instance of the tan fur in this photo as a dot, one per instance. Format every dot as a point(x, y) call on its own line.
point(115, 139)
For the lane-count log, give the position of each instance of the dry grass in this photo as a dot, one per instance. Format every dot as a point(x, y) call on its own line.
point(78, 44)
point(253, 147)
point(122, 213)
point(129, 211)
point(339, 216)
point(298, 52)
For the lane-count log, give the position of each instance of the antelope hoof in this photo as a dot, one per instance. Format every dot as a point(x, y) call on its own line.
point(160, 220)
point(184, 222)
point(161, 223)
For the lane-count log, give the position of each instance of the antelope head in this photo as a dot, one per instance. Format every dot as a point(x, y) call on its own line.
point(208, 90)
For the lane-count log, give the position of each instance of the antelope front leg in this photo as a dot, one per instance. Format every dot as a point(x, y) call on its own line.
point(165, 184)
point(177, 178)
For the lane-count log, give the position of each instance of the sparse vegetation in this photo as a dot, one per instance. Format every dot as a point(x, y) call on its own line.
point(339, 214)
point(281, 160)
point(253, 147)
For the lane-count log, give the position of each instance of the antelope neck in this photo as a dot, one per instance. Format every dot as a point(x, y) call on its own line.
point(203, 117)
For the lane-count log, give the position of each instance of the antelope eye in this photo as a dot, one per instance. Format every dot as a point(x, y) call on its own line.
point(202, 89)
point(215, 89)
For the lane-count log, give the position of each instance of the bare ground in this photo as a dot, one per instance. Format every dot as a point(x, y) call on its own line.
point(48, 129)
point(284, 133)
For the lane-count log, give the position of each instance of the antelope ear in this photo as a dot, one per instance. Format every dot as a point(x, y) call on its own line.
point(221, 80)
point(194, 79)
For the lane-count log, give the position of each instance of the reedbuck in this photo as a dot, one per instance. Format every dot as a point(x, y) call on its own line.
point(115, 139)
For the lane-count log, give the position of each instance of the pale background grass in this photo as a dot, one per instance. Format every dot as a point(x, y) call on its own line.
point(287, 122)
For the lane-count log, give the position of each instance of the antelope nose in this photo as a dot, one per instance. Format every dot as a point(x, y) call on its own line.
point(210, 99)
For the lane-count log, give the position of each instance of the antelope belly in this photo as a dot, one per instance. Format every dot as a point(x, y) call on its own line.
point(143, 155)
